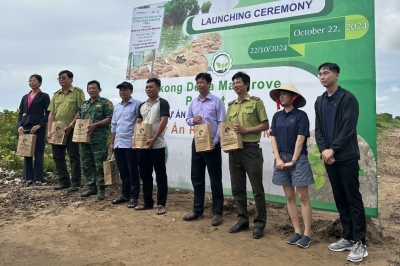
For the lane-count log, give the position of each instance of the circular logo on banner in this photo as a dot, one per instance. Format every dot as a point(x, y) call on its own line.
point(221, 63)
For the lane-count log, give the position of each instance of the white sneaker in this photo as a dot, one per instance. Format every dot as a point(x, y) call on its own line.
point(341, 245)
point(358, 252)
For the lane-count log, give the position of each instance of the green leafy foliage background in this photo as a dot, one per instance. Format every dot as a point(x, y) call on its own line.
point(205, 7)
point(176, 11)
point(8, 145)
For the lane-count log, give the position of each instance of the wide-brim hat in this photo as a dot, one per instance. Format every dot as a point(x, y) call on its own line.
point(300, 101)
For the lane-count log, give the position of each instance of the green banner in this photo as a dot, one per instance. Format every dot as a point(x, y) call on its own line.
point(276, 43)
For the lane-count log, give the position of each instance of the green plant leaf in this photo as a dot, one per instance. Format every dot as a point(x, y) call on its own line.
point(319, 168)
point(361, 173)
point(7, 158)
point(319, 182)
point(219, 65)
point(313, 158)
point(226, 64)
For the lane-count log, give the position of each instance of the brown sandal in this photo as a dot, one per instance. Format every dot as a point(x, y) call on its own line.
point(160, 210)
point(142, 207)
point(119, 200)
point(132, 203)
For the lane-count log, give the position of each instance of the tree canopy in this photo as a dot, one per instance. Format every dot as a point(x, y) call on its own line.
point(205, 7)
point(176, 11)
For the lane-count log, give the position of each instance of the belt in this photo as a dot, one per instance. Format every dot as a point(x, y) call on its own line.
point(251, 145)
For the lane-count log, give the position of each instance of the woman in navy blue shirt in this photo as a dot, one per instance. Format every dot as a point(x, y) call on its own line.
point(290, 129)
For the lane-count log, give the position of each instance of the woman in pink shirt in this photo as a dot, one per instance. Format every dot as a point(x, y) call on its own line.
point(32, 119)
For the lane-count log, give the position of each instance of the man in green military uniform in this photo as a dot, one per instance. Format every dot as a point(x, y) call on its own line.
point(63, 108)
point(93, 154)
point(250, 113)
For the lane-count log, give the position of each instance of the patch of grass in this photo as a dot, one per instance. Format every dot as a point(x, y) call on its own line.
point(385, 122)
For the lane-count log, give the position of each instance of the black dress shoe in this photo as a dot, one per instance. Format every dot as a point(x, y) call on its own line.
point(191, 216)
point(238, 227)
point(216, 220)
point(258, 232)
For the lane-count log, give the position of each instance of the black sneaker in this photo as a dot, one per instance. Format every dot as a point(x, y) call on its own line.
point(304, 242)
point(293, 239)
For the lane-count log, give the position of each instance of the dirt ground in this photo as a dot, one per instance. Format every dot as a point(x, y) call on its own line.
point(40, 226)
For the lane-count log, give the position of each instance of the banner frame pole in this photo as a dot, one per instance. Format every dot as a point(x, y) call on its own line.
point(152, 63)
point(381, 228)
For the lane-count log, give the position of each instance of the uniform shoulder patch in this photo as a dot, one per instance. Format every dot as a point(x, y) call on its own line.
point(79, 89)
point(255, 98)
point(231, 102)
point(110, 105)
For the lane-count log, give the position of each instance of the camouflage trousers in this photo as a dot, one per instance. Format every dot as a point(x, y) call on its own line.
point(92, 158)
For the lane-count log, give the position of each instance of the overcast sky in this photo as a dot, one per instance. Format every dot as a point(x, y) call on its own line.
point(91, 38)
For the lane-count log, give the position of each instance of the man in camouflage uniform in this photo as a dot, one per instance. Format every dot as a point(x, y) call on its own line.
point(93, 154)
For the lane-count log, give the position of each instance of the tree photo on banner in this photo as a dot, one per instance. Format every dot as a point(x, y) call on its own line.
point(275, 43)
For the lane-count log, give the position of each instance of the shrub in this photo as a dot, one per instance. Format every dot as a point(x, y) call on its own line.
point(8, 141)
point(8, 145)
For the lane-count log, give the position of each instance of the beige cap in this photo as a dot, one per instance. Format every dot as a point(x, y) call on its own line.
point(300, 101)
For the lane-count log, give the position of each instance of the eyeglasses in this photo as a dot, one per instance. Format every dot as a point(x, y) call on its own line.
point(61, 78)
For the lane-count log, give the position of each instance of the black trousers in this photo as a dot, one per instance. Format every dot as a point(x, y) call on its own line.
point(127, 162)
point(74, 159)
point(348, 199)
point(149, 160)
point(213, 161)
point(34, 170)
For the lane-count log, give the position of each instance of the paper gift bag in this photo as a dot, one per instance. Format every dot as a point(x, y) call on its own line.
point(203, 137)
point(111, 174)
point(57, 134)
point(26, 145)
point(80, 130)
point(230, 140)
point(141, 135)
